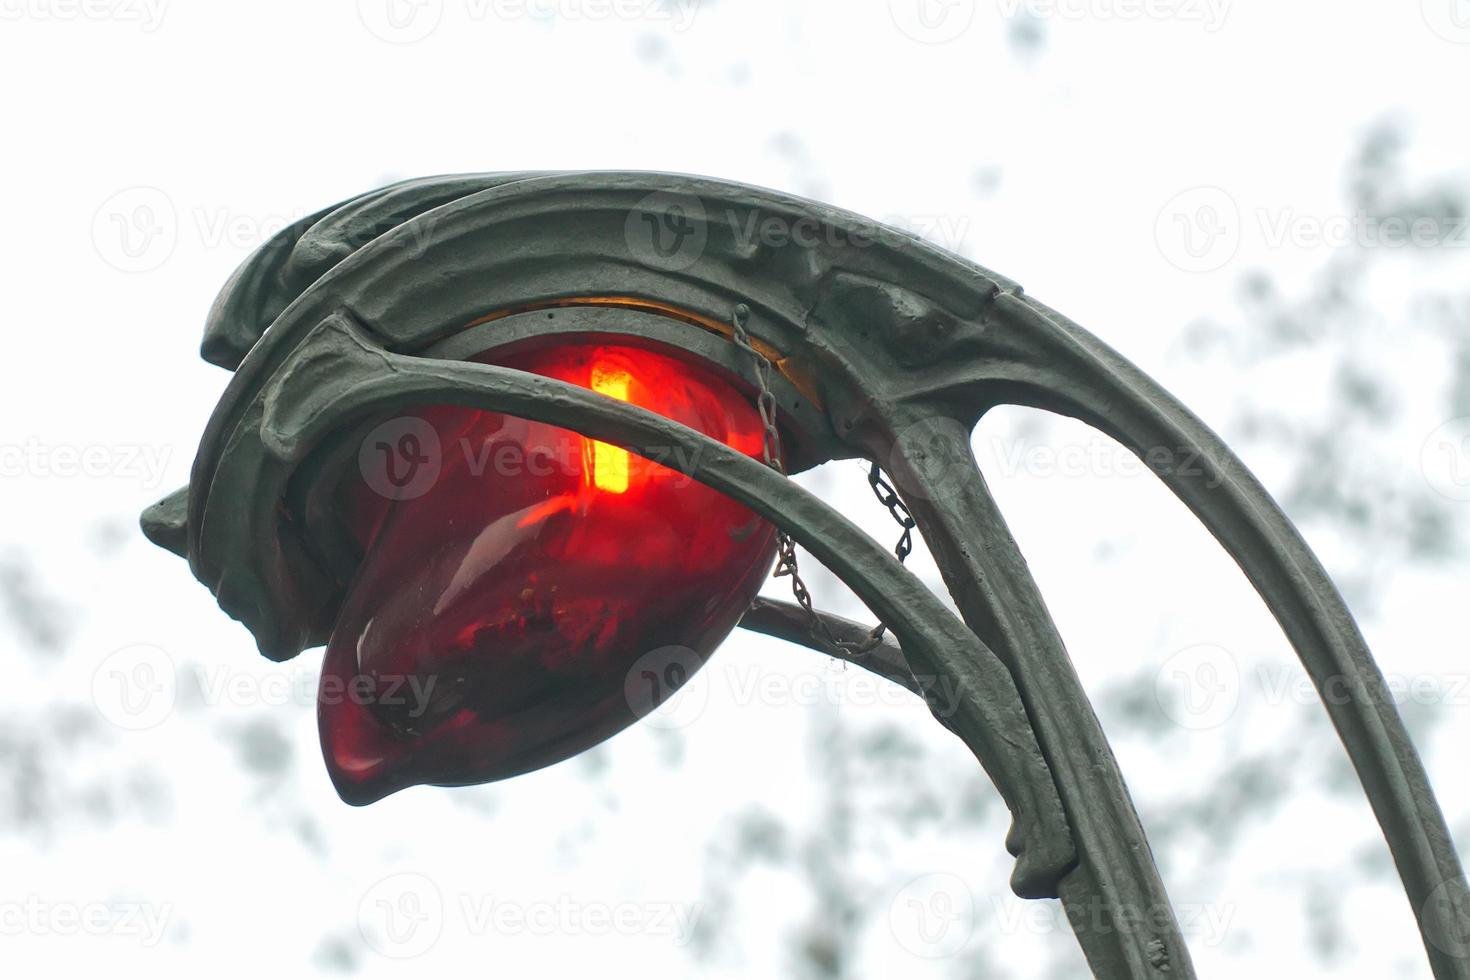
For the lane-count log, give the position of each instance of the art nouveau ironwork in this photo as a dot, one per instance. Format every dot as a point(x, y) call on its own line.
point(883, 348)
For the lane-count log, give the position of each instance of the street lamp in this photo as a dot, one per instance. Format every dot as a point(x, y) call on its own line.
point(515, 447)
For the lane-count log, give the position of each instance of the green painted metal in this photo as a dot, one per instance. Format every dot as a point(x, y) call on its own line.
point(888, 349)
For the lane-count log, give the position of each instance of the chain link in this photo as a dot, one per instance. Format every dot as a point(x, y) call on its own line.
point(786, 565)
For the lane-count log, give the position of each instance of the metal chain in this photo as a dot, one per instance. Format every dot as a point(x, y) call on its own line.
point(888, 497)
point(785, 547)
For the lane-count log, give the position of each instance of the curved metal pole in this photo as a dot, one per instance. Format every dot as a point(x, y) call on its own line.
point(340, 376)
point(1043, 360)
point(788, 621)
point(1115, 899)
point(1204, 473)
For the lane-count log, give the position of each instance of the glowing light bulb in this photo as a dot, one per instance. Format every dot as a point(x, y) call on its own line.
point(609, 463)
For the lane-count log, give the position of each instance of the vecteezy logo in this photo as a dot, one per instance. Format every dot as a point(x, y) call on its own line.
point(1447, 918)
point(1198, 230)
point(658, 689)
point(1450, 19)
point(667, 231)
point(401, 916)
point(933, 916)
point(136, 230)
point(1445, 459)
point(929, 457)
point(400, 21)
point(932, 21)
point(401, 458)
point(135, 687)
point(1199, 687)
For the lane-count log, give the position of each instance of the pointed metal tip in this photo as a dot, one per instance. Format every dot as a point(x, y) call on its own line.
point(166, 523)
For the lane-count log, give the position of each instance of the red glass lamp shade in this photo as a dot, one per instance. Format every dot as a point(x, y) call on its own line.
point(497, 613)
